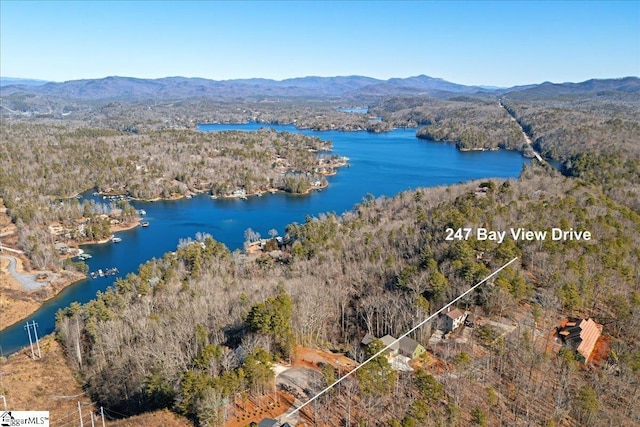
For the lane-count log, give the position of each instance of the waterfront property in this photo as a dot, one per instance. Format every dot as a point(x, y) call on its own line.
point(381, 164)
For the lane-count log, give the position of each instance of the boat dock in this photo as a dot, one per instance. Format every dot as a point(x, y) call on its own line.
point(104, 273)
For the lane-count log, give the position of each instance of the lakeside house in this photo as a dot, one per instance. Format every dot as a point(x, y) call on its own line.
point(240, 193)
point(581, 335)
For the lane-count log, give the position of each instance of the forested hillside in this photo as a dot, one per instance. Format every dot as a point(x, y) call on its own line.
point(590, 128)
point(597, 138)
point(197, 330)
point(472, 123)
point(169, 336)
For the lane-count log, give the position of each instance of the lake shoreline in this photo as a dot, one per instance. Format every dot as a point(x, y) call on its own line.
point(378, 165)
point(29, 302)
point(18, 304)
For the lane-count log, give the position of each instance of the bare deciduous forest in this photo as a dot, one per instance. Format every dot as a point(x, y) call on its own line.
point(197, 330)
point(381, 270)
point(43, 166)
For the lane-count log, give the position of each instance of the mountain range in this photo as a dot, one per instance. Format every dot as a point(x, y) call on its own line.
point(131, 89)
point(7, 81)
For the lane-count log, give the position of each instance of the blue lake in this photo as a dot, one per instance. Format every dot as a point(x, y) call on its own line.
point(380, 164)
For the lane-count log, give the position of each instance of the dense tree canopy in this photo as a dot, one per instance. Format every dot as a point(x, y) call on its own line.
point(378, 269)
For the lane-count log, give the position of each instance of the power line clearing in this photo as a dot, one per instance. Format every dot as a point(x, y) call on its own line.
point(348, 374)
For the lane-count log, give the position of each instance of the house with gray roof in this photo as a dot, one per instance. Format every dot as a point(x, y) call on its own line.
point(453, 319)
point(410, 348)
point(405, 346)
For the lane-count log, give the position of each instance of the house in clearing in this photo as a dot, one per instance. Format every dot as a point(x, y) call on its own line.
point(452, 319)
point(581, 335)
point(411, 348)
point(388, 340)
point(385, 340)
point(405, 346)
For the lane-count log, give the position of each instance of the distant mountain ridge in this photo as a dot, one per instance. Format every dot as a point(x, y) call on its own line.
point(7, 81)
point(136, 89)
point(131, 89)
point(629, 85)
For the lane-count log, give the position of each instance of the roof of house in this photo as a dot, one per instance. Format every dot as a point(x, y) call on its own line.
point(387, 340)
point(368, 339)
point(268, 422)
point(454, 314)
point(582, 335)
point(408, 345)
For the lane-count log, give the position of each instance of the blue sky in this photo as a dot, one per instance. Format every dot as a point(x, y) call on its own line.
point(488, 43)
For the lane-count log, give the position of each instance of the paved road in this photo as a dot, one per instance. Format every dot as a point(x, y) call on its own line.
point(526, 137)
point(27, 281)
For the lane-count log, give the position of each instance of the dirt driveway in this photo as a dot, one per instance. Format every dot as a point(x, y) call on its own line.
point(27, 281)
